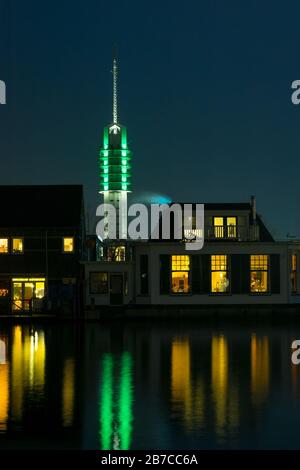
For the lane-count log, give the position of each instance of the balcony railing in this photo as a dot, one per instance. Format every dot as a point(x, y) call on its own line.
point(227, 232)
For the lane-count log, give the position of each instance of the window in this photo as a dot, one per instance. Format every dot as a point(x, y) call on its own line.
point(219, 274)
point(231, 227)
point(116, 253)
point(4, 288)
point(180, 274)
point(259, 276)
point(225, 227)
point(3, 245)
point(17, 245)
point(68, 244)
point(219, 227)
point(294, 274)
point(144, 287)
point(25, 291)
point(98, 283)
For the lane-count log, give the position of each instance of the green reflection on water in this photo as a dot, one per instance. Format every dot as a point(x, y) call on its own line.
point(115, 407)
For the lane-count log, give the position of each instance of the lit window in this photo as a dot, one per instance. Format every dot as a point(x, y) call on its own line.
point(294, 274)
point(218, 227)
point(68, 244)
point(98, 283)
point(225, 227)
point(180, 274)
point(219, 273)
point(116, 253)
point(231, 227)
point(39, 289)
point(3, 245)
point(4, 288)
point(259, 267)
point(17, 245)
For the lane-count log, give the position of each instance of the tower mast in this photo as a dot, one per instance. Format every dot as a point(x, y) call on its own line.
point(115, 89)
point(115, 162)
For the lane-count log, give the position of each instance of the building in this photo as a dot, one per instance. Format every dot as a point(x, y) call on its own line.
point(240, 263)
point(42, 240)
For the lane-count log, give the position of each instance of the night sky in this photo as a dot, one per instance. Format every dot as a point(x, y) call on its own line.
point(205, 92)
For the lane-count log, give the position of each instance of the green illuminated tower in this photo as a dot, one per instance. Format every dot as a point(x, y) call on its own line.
point(115, 167)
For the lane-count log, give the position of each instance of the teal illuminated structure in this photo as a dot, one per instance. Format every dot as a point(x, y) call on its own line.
point(115, 159)
point(115, 164)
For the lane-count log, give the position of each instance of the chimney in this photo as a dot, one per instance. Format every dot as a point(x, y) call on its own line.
point(253, 209)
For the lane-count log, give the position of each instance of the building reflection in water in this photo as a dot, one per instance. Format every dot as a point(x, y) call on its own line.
point(260, 369)
point(225, 391)
point(187, 396)
point(219, 381)
point(27, 367)
point(68, 392)
point(4, 385)
point(116, 401)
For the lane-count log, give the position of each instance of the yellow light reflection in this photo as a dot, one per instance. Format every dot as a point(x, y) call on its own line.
point(260, 369)
point(27, 368)
point(68, 392)
point(219, 381)
point(4, 387)
point(181, 375)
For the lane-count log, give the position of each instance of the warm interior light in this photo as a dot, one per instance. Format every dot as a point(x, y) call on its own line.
point(68, 244)
point(3, 245)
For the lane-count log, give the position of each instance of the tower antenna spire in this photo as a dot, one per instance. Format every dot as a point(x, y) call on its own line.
point(115, 86)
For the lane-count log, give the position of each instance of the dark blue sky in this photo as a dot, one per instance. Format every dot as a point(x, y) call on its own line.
point(204, 91)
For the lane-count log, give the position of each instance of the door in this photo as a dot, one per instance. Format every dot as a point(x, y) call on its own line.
point(17, 303)
point(116, 289)
point(27, 294)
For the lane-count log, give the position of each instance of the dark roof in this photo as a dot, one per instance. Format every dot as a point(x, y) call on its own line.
point(41, 206)
point(264, 234)
point(222, 206)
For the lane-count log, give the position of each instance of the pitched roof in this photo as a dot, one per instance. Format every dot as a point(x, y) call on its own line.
point(41, 206)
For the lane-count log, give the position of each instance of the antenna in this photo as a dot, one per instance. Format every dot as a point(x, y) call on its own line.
point(115, 87)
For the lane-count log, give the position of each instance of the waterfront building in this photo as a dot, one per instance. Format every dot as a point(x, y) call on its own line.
point(42, 239)
point(240, 264)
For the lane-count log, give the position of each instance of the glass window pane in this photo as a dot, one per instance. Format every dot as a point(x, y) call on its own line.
point(219, 274)
point(17, 245)
point(219, 281)
point(3, 245)
point(68, 244)
point(180, 274)
point(39, 290)
point(98, 283)
point(219, 227)
point(259, 281)
point(180, 282)
point(231, 227)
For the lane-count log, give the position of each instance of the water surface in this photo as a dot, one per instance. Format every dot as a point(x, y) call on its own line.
point(148, 386)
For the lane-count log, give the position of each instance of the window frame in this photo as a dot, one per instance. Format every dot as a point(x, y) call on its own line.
point(63, 245)
point(12, 246)
point(90, 283)
point(295, 272)
point(8, 251)
point(268, 271)
point(189, 271)
point(225, 228)
point(227, 271)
